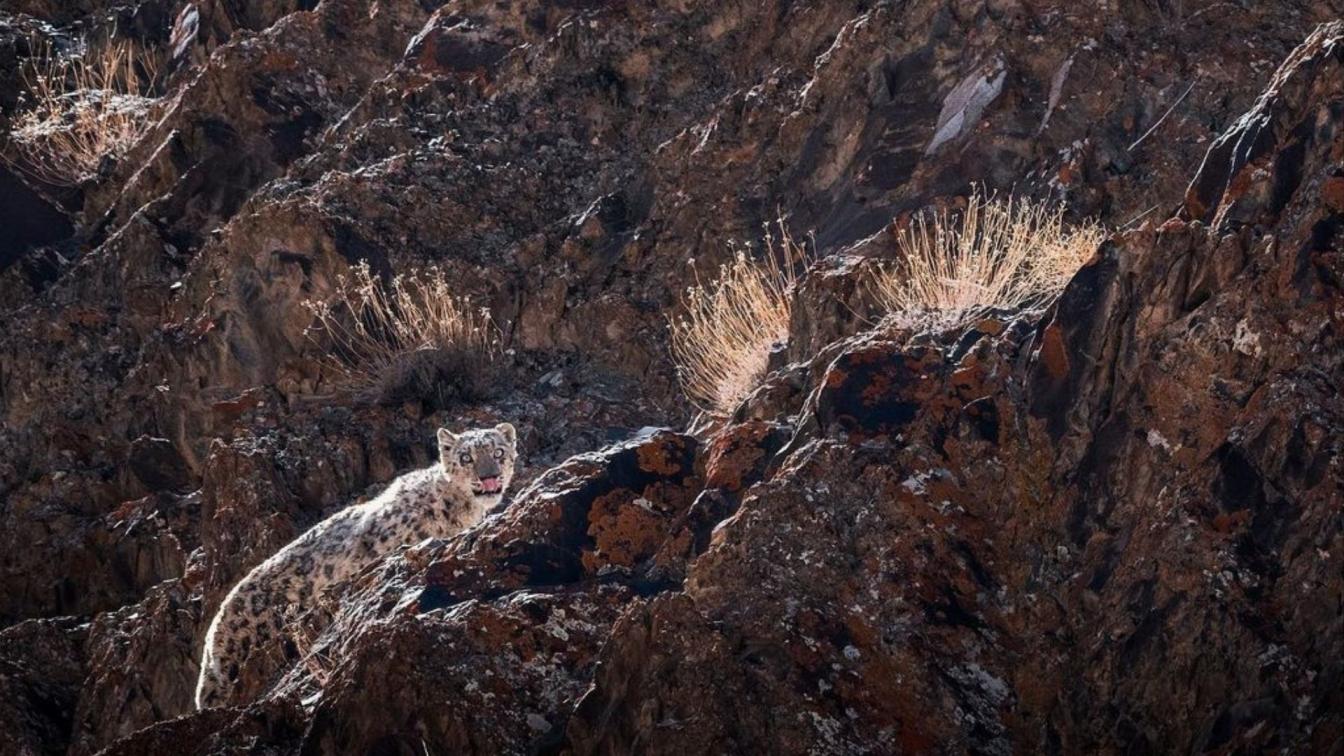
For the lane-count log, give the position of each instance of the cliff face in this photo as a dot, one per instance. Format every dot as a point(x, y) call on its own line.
point(1115, 526)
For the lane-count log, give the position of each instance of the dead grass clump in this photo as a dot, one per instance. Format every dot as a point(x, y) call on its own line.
point(412, 340)
point(81, 109)
point(722, 339)
point(996, 254)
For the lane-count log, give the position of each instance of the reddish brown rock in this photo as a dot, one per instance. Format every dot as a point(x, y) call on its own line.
point(739, 455)
point(596, 516)
point(143, 661)
point(1124, 559)
point(451, 45)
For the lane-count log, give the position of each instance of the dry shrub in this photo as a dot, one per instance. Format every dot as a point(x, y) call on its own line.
point(722, 339)
point(412, 340)
point(996, 254)
point(81, 109)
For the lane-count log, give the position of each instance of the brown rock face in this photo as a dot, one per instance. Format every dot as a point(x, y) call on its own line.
point(42, 663)
point(1130, 536)
point(1115, 526)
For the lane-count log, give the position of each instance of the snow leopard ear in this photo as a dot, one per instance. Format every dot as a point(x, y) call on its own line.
point(447, 440)
point(506, 430)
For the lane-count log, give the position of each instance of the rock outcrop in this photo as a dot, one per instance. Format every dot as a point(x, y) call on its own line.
point(1114, 525)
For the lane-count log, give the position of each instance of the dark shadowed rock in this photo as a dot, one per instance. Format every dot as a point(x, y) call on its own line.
point(29, 219)
point(42, 664)
point(156, 463)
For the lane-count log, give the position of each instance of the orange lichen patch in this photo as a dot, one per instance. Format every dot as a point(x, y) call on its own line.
point(1174, 225)
point(1228, 522)
point(668, 497)
point(884, 688)
point(969, 381)
point(835, 378)
point(735, 454)
point(1243, 181)
point(231, 409)
point(1193, 207)
point(990, 326)
point(886, 388)
point(878, 387)
point(1054, 355)
point(555, 512)
point(676, 549)
point(626, 529)
point(490, 626)
point(661, 457)
point(1332, 193)
point(85, 316)
point(127, 509)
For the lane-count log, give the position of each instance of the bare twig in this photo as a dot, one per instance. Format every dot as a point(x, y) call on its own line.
point(1138, 218)
point(1179, 100)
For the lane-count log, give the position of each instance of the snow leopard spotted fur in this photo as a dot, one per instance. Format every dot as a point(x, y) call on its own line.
point(473, 472)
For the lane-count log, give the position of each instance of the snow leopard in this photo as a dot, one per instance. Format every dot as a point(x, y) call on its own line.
point(470, 478)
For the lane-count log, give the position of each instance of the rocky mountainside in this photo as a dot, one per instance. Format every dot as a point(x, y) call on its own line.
point(1115, 526)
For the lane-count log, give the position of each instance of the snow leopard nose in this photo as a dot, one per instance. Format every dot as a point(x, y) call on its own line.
point(487, 468)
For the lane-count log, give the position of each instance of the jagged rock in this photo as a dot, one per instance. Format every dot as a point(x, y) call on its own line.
point(158, 465)
point(142, 660)
point(596, 517)
point(30, 220)
point(1098, 552)
point(249, 112)
point(1254, 169)
point(450, 44)
point(42, 665)
point(517, 609)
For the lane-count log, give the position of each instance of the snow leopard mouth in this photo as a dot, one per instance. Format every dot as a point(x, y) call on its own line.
point(487, 487)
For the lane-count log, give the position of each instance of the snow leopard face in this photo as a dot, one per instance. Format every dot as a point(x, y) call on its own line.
point(480, 462)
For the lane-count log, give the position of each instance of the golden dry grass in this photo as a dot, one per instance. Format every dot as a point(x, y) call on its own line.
point(995, 254)
point(722, 337)
point(80, 110)
point(412, 340)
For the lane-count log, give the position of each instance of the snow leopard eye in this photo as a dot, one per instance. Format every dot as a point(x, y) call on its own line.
point(499, 454)
point(464, 458)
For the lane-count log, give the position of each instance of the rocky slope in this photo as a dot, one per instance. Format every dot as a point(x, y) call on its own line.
point(1114, 526)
